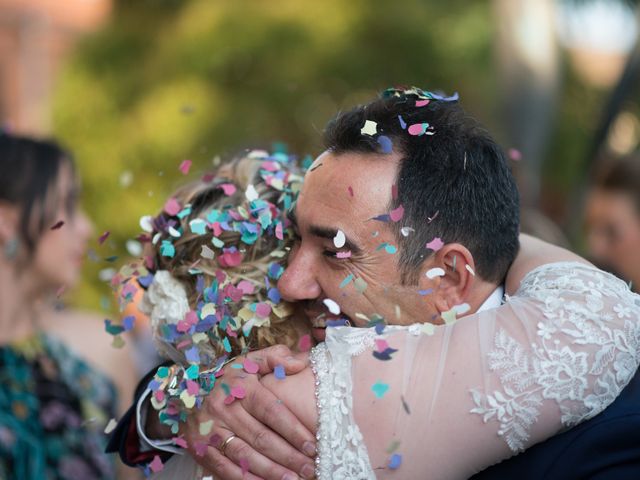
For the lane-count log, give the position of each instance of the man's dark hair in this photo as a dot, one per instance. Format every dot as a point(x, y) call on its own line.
point(453, 173)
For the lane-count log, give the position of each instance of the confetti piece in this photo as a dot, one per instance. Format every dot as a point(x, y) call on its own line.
point(395, 461)
point(468, 267)
point(435, 272)
point(405, 405)
point(117, 342)
point(422, 103)
point(435, 244)
point(350, 191)
point(57, 225)
point(250, 366)
point(514, 154)
point(156, 464)
point(110, 426)
point(200, 448)
point(103, 237)
point(198, 226)
point(343, 254)
point(396, 214)
point(244, 465)
point(185, 166)
point(339, 240)
point(428, 328)
point(279, 373)
point(381, 344)
point(279, 231)
point(207, 253)
point(346, 281)
point(405, 231)
point(381, 218)
point(418, 129)
point(390, 248)
point(238, 392)
point(228, 188)
point(333, 307)
point(462, 308)
point(304, 344)
point(425, 292)
point(370, 128)
point(146, 223)
point(393, 446)
point(128, 322)
point(384, 355)
point(360, 285)
point(385, 144)
point(251, 193)
point(167, 249)
point(449, 316)
point(205, 427)
point(403, 125)
point(431, 219)
point(180, 442)
point(379, 389)
point(172, 207)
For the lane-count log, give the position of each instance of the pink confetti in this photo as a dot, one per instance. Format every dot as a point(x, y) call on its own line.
point(201, 448)
point(250, 366)
point(247, 287)
point(343, 254)
point(279, 231)
point(397, 214)
point(156, 464)
point(230, 259)
point(103, 237)
point(263, 310)
point(179, 441)
point(193, 388)
point(381, 345)
point(238, 392)
point(172, 207)
point(422, 103)
point(435, 244)
point(417, 129)
point(304, 344)
point(514, 154)
point(185, 166)
point(228, 188)
point(350, 190)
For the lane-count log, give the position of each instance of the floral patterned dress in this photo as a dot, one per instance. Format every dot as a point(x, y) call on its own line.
point(53, 410)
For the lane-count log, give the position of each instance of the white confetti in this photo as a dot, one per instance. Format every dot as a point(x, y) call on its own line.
point(405, 231)
point(461, 309)
point(251, 193)
point(333, 307)
point(370, 128)
point(134, 248)
point(468, 267)
point(435, 272)
point(339, 240)
point(110, 426)
point(207, 253)
point(146, 223)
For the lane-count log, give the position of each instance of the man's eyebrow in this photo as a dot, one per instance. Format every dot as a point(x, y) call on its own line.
point(330, 233)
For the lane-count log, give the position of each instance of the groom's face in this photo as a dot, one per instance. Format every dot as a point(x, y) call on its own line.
point(342, 254)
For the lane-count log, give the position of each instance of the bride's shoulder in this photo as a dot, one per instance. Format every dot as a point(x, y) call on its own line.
point(355, 340)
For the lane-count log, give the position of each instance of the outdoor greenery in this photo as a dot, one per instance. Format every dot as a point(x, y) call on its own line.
point(170, 80)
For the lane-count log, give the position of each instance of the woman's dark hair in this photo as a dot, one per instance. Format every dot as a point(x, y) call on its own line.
point(621, 175)
point(29, 170)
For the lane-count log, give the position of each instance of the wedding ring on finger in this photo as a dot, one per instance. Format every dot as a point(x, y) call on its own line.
point(226, 443)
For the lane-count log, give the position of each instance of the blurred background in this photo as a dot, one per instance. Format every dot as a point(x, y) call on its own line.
point(136, 88)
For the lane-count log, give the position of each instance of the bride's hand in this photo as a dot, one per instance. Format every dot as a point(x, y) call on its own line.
point(260, 422)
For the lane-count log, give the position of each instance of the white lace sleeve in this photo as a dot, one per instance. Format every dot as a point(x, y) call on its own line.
point(448, 401)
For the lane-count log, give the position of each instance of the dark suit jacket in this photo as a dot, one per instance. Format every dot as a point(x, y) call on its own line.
point(607, 447)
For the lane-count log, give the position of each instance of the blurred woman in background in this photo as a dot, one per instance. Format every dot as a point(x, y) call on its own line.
point(54, 403)
point(613, 218)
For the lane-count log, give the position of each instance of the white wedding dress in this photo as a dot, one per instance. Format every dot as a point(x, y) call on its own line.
point(454, 399)
point(458, 398)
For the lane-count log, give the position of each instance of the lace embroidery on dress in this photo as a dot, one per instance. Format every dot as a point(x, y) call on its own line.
point(576, 339)
point(342, 453)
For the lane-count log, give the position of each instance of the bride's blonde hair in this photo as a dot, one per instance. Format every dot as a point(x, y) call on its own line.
point(250, 195)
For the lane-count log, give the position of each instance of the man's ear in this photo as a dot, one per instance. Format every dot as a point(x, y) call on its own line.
point(8, 222)
point(450, 272)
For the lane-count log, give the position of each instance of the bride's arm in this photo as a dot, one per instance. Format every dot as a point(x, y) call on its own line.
point(532, 254)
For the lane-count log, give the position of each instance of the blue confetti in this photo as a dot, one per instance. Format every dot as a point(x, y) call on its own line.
point(127, 322)
point(395, 461)
point(385, 143)
point(425, 292)
point(279, 372)
point(403, 125)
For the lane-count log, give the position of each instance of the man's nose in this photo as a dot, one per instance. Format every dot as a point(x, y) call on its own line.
point(298, 281)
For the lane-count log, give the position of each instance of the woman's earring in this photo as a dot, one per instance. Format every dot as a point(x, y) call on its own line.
point(11, 249)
